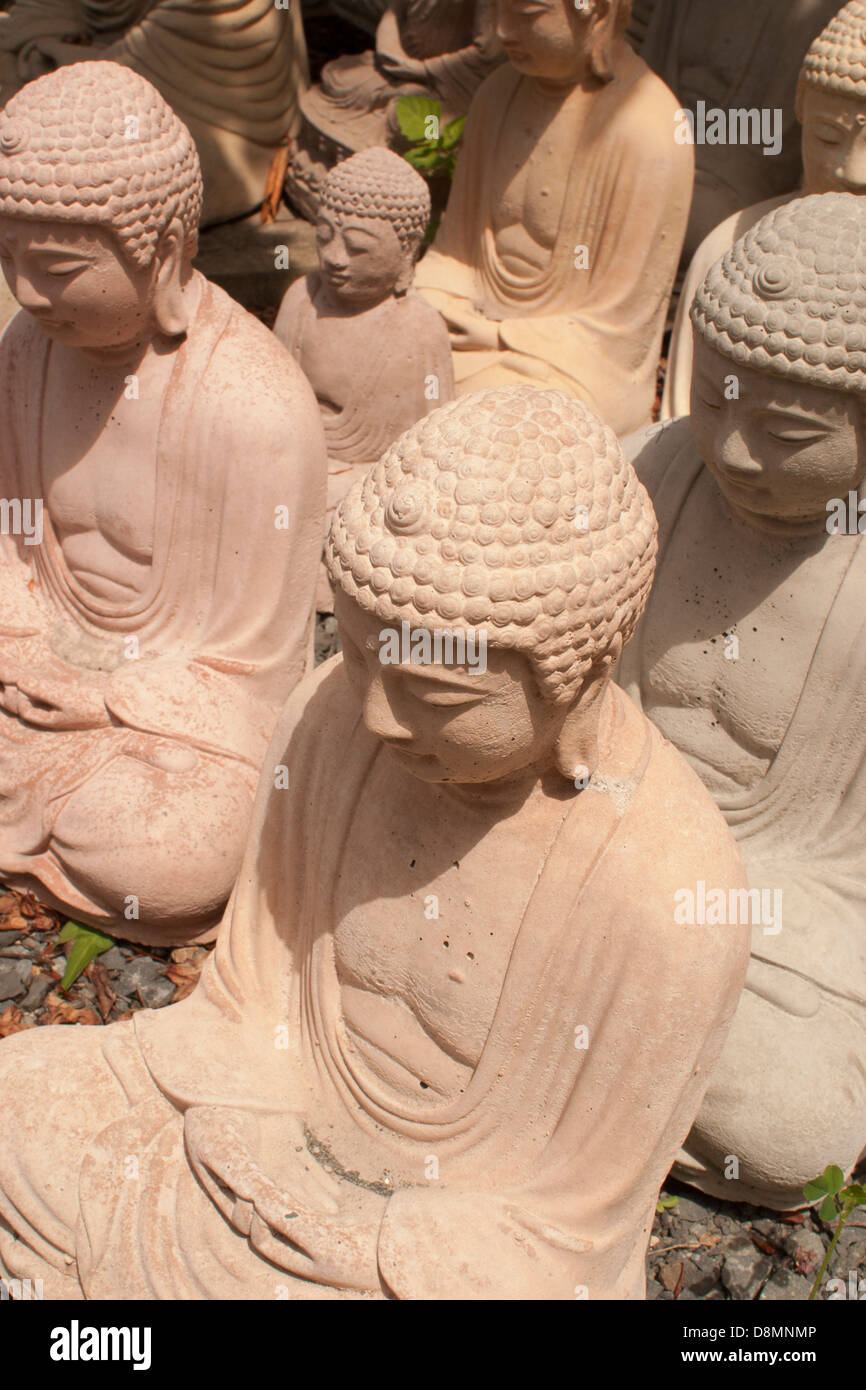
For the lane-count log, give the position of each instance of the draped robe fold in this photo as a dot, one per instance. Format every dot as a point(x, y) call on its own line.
point(233, 70)
point(550, 1159)
point(220, 635)
point(593, 329)
point(799, 826)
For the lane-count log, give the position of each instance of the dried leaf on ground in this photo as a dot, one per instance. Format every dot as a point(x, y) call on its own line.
point(185, 977)
point(12, 1021)
point(671, 1276)
point(59, 1011)
point(105, 995)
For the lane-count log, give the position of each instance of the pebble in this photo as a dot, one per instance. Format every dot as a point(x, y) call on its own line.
point(35, 996)
point(113, 959)
point(14, 979)
point(136, 974)
point(8, 938)
point(694, 1209)
point(785, 1286)
point(806, 1248)
point(155, 994)
point(745, 1269)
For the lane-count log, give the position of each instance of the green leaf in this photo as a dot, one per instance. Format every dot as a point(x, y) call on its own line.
point(424, 158)
point(452, 132)
point(88, 945)
point(834, 1178)
point(412, 112)
point(855, 1194)
point(827, 1210)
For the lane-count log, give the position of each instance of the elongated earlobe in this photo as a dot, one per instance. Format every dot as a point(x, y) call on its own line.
point(171, 307)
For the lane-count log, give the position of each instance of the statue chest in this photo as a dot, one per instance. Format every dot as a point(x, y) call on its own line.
point(529, 184)
point(729, 637)
point(427, 913)
point(334, 353)
point(99, 478)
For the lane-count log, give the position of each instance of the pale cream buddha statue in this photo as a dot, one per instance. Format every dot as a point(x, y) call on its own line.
point(750, 659)
point(233, 70)
point(739, 56)
point(557, 253)
point(167, 460)
point(451, 1037)
point(831, 106)
point(375, 353)
point(442, 49)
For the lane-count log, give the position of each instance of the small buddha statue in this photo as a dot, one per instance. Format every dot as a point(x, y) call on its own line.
point(375, 353)
point(831, 107)
point(436, 48)
point(167, 461)
point(557, 253)
point(734, 57)
point(750, 660)
point(410, 1068)
point(233, 70)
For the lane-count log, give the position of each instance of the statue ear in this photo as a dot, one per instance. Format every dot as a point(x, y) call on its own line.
point(576, 749)
point(406, 276)
point(170, 304)
point(602, 37)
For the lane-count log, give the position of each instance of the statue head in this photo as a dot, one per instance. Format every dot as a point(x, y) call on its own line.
point(562, 41)
point(831, 105)
point(100, 197)
point(373, 214)
point(512, 519)
point(779, 382)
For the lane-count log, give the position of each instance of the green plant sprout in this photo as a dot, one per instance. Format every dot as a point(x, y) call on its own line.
point(88, 945)
point(836, 1202)
point(666, 1204)
point(434, 147)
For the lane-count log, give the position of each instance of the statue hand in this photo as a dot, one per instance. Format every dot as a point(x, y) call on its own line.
point(305, 1230)
point(51, 702)
point(401, 68)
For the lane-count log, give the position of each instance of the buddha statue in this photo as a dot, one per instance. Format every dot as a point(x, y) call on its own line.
point(233, 70)
point(441, 49)
point(557, 253)
point(163, 462)
point(750, 660)
point(410, 1068)
point(831, 107)
point(375, 353)
point(742, 58)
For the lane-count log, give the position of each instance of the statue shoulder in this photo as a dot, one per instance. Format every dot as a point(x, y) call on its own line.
point(657, 448)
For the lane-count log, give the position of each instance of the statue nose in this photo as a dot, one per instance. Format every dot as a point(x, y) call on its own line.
point(379, 715)
point(733, 454)
point(851, 173)
point(26, 293)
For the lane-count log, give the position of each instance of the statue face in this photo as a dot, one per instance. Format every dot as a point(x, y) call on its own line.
point(782, 450)
point(77, 283)
point(834, 143)
point(545, 38)
point(361, 258)
point(448, 723)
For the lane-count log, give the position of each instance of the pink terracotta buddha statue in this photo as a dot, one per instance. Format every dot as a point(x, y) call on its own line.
point(750, 659)
point(172, 453)
point(375, 353)
point(233, 70)
point(831, 108)
point(556, 256)
point(736, 57)
point(452, 1035)
point(442, 49)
